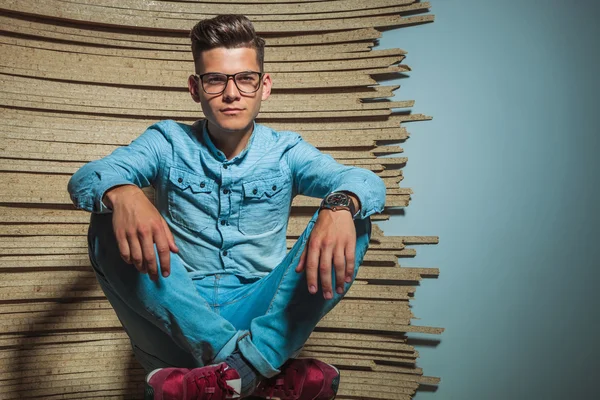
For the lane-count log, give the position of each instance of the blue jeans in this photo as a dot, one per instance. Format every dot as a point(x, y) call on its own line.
point(184, 322)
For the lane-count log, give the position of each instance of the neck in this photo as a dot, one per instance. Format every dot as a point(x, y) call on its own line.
point(231, 143)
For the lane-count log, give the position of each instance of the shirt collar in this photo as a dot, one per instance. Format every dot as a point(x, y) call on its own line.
point(218, 154)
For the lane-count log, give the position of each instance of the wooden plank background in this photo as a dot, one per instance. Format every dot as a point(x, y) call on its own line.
point(79, 78)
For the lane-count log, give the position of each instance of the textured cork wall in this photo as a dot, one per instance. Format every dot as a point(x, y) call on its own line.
point(79, 78)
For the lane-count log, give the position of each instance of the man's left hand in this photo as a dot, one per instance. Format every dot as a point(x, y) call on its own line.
point(332, 242)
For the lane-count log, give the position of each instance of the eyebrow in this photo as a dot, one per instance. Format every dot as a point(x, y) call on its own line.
point(223, 73)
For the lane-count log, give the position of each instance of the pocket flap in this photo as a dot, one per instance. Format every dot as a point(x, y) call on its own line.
point(268, 187)
point(184, 179)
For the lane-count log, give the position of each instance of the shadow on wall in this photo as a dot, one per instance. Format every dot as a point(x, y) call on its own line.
point(58, 346)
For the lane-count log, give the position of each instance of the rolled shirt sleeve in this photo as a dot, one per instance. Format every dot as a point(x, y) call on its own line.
point(136, 164)
point(316, 174)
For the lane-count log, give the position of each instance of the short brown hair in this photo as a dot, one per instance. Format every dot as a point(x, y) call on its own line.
point(229, 31)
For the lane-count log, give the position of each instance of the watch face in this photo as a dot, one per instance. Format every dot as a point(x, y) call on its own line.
point(337, 199)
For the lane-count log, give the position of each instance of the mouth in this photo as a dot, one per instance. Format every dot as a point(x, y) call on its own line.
point(231, 111)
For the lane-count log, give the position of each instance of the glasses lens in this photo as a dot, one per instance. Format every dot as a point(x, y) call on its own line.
point(248, 81)
point(214, 83)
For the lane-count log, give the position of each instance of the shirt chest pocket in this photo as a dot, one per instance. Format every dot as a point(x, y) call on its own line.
point(192, 199)
point(265, 205)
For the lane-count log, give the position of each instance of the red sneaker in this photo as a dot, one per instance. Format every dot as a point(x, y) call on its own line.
point(212, 382)
point(301, 379)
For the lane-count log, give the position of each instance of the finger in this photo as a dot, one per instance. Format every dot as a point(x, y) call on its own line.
point(300, 266)
point(312, 267)
point(325, 263)
point(136, 252)
point(148, 254)
point(170, 239)
point(164, 253)
point(339, 262)
point(123, 246)
point(350, 260)
point(144, 266)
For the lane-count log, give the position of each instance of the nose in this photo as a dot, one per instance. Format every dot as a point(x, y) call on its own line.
point(231, 91)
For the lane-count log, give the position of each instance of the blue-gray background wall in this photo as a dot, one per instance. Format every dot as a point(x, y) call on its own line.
point(506, 174)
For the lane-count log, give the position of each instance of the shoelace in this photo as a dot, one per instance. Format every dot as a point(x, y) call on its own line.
point(214, 384)
point(281, 386)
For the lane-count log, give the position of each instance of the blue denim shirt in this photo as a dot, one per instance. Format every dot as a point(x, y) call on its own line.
point(226, 215)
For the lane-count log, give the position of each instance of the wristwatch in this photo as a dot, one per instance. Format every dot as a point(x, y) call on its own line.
point(339, 201)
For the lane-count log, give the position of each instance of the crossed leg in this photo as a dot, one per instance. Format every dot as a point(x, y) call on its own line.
point(170, 322)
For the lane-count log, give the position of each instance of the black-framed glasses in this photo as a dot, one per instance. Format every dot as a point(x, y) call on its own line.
point(215, 83)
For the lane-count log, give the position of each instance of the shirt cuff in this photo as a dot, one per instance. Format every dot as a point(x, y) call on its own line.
point(99, 206)
point(371, 201)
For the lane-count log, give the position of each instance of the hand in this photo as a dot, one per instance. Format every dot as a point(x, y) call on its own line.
point(331, 242)
point(138, 225)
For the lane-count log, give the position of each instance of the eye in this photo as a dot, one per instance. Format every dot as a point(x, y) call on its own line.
point(215, 79)
point(247, 77)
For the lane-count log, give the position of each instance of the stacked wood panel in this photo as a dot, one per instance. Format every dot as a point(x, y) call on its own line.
point(80, 77)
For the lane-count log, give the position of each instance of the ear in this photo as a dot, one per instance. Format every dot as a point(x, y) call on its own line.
point(267, 84)
point(193, 88)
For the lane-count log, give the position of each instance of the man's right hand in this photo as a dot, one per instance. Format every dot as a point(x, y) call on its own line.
point(137, 226)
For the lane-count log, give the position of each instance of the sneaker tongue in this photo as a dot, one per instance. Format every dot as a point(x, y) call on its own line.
point(293, 381)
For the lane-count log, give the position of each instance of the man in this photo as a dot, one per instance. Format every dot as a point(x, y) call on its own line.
point(214, 307)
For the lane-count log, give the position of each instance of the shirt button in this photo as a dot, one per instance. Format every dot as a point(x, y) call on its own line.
point(225, 252)
point(223, 222)
point(202, 184)
point(225, 166)
point(225, 191)
point(180, 180)
point(274, 187)
point(255, 191)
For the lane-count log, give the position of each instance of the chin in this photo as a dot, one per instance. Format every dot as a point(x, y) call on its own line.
point(233, 124)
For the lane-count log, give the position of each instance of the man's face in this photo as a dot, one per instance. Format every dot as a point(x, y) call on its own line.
point(232, 110)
